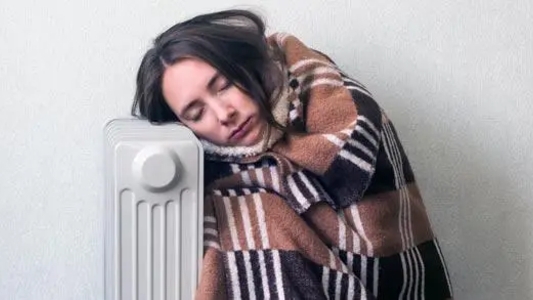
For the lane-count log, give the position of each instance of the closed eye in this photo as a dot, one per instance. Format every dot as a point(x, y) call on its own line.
point(226, 84)
point(193, 111)
point(195, 115)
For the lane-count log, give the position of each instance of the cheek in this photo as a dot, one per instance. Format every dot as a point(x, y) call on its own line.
point(246, 104)
point(208, 128)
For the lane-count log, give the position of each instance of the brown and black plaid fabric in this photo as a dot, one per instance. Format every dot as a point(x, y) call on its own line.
point(330, 212)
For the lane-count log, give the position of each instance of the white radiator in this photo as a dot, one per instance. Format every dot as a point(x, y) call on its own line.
point(154, 211)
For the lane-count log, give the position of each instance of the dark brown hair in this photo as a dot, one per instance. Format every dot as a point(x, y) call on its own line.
point(231, 41)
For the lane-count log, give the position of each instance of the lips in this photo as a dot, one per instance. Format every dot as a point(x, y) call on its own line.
point(240, 131)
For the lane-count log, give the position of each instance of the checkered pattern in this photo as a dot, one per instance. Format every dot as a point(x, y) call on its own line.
point(330, 212)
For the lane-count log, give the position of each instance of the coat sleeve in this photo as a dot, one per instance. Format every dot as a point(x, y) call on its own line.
point(340, 127)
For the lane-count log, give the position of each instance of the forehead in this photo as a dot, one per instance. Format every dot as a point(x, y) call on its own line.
point(185, 79)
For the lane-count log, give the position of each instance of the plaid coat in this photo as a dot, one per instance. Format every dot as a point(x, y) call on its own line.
point(331, 211)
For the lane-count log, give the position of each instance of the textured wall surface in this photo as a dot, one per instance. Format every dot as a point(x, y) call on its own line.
point(456, 77)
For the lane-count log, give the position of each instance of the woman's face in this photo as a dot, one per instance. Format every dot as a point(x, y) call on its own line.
point(213, 108)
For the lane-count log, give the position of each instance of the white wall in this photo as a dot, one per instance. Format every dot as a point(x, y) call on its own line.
point(456, 76)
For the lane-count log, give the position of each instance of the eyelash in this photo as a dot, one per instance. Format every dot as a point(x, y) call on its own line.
point(225, 86)
point(198, 115)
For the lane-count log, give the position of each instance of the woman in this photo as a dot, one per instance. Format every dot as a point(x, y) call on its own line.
point(309, 194)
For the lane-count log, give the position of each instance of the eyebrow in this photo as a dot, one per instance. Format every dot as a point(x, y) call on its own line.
point(210, 86)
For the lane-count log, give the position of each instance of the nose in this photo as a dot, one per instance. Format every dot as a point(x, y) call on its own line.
point(224, 112)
